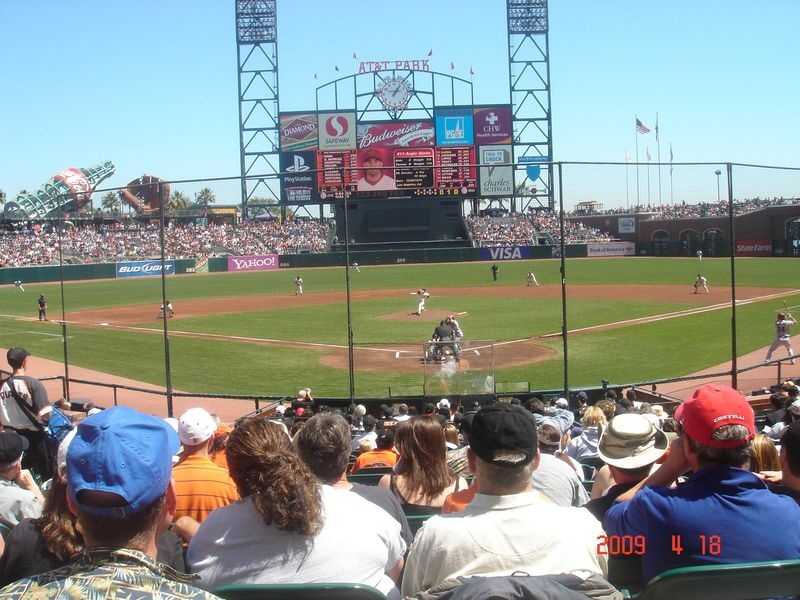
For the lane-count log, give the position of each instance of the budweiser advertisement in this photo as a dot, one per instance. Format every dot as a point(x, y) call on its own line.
point(298, 131)
point(753, 247)
point(492, 125)
point(377, 145)
point(266, 262)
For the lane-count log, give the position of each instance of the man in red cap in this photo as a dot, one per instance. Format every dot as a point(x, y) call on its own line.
point(721, 514)
point(374, 174)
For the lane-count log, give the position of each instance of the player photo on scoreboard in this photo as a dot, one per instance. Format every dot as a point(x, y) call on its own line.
point(375, 170)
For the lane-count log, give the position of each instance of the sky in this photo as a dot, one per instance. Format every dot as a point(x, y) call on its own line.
point(151, 84)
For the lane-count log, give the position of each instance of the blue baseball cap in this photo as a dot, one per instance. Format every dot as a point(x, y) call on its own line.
point(124, 452)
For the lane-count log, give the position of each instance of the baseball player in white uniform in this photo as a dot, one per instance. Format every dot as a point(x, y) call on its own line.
point(355, 266)
point(783, 323)
point(170, 311)
point(701, 282)
point(532, 279)
point(422, 295)
point(298, 286)
point(18, 285)
point(700, 255)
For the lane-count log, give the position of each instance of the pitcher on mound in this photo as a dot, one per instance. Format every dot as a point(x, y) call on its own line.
point(422, 295)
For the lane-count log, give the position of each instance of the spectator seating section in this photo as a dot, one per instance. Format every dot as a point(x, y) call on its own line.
point(743, 581)
point(319, 591)
point(369, 476)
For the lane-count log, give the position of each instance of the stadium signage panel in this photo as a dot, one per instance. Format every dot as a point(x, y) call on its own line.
point(497, 171)
point(297, 173)
point(454, 127)
point(298, 131)
point(337, 131)
point(144, 268)
point(506, 253)
point(367, 66)
point(492, 125)
point(753, 247)
point(611, 249)
point(266, 262)
point(626, 225)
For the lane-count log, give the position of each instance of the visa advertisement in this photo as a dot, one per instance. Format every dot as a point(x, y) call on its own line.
point(144, 268)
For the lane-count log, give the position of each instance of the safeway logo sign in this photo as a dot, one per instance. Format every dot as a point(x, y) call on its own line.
point(337, 131)
point(506, 253)
point(144, 268)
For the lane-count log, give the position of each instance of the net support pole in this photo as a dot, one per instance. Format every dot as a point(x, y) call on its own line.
point(732, 238)
point(350, 361)
point(167, 362)
point(64, 336)
point(563, 280)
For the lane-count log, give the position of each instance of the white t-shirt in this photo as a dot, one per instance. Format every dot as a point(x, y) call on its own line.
point(498, 535)
point(358, 543)
point(384, 183)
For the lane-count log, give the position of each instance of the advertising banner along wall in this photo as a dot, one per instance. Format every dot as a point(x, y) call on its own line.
point(496, 180)
point(611, 249)
point(298, 131)
point(266, 262)
point(506, 253)
point(753, 247)
point(144, 268)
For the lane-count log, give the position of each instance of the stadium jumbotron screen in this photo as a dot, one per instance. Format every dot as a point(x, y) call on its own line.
point(325, 154)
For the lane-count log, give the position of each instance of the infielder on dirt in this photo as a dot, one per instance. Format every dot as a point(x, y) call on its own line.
point(532, 279)
point(170, 311)
point(701, 282)
point(783, 323)
point(423, 296)
point(298, 286)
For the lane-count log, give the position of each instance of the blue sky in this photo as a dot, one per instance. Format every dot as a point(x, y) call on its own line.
point(151, 84)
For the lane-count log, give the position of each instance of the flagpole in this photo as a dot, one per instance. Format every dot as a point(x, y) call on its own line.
point(636, 138)
point(671, 168)
point(627, 186)
point(658, 142)
point(648, 178)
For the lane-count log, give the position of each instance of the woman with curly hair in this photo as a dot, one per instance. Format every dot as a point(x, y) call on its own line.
point(421, 478)
point(289, 528)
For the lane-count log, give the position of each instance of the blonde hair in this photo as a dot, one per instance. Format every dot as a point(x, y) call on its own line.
point(594, 417)
point(765, 455)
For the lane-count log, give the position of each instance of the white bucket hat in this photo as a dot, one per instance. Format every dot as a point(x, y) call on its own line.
point(631, 441)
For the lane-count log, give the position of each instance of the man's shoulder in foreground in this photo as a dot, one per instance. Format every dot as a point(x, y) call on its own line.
point(107, 574)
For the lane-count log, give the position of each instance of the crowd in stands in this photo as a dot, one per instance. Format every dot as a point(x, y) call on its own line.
point(701, 209)
point(39, 245)
point(134, 505)
point(527, 229)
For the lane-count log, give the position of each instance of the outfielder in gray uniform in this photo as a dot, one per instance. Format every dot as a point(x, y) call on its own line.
point(783, 323)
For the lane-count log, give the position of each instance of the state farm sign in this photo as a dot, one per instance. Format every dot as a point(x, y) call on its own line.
point(267, 262)
point(753, 248)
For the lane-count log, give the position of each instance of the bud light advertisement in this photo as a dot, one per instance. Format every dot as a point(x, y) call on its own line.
point(144, 268)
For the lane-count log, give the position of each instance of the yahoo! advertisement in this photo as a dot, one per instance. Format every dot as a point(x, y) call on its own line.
point(266, 262)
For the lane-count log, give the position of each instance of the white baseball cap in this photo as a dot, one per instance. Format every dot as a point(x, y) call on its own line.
point(61, 456)
point(443, 403)
point(196, 426)
point(562, 403)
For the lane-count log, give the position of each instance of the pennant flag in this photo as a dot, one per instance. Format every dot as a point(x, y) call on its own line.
point(641, 127)
point(670, 160)
point(452, 66)
point(336, 68)
point(315, 75)
point(471, 72)
point(647, 151)
point(355, 56)
point(430, 52)
point(656, 126)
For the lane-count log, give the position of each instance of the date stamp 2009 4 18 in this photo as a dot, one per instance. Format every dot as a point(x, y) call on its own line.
point(636, 545)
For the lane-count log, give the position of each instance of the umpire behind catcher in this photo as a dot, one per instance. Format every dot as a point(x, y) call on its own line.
point(445, 336)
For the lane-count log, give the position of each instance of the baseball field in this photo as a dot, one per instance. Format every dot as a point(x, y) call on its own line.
point(631, 319)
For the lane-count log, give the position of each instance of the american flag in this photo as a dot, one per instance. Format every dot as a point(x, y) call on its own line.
point(641, 127)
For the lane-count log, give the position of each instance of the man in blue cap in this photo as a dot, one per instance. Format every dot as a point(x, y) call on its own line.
point(119, 485)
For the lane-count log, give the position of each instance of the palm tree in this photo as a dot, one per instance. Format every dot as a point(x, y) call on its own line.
point(178, 200)
point(205, 197)
point(110, 202)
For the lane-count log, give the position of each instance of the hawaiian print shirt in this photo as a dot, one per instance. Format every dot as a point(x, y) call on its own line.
point(105, 574)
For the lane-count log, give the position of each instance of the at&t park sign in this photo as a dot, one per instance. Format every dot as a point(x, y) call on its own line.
point(366, 66)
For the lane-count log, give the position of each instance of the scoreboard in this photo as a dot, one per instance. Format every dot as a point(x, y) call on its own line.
point(415, 158)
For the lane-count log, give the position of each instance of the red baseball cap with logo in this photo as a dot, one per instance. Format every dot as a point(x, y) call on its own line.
point(711, 407)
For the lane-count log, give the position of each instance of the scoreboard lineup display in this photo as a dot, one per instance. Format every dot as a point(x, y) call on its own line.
point(327, 155)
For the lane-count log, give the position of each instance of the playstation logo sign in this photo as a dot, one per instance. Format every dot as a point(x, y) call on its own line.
point(299, 165)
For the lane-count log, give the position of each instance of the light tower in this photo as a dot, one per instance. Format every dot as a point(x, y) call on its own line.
point(529, 83)
point(257, 65)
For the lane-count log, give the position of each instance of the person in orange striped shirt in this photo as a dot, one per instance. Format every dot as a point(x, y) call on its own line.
point(383, 456)
point(200, 485)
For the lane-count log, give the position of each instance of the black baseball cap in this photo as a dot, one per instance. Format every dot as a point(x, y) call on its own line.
point(790, 440)
point(12, 445)
point(16, 356)
point(503, 427)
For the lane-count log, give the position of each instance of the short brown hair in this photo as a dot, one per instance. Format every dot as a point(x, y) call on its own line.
point(324, 445)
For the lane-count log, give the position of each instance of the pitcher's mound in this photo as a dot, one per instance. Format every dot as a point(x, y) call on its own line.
point(433, 315)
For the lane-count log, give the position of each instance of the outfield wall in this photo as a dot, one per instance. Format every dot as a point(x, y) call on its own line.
point(78, 272)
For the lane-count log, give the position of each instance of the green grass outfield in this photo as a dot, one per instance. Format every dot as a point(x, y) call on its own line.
point(633, 352)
